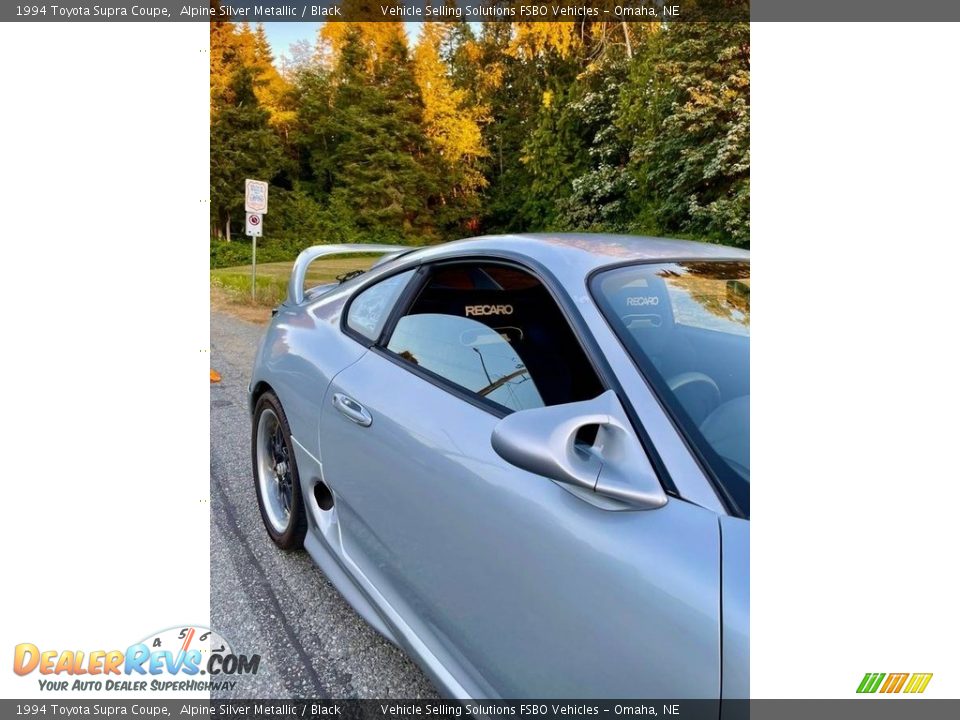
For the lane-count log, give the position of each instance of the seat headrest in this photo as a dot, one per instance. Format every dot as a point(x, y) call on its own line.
point(491, 307)
point(643, 304)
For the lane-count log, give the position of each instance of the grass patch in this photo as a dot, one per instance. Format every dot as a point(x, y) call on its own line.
point(233, 283)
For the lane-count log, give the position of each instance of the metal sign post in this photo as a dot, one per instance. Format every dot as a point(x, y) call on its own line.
point(255, 203)
point(254, 230)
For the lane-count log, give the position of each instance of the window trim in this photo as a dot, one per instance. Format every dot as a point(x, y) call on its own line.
point(719, 487)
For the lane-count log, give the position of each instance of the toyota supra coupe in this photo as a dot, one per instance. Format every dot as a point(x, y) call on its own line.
point(523, 459)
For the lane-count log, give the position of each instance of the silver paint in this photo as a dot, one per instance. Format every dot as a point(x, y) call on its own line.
point(496, 580)
point(295, 294)
point(543, 441)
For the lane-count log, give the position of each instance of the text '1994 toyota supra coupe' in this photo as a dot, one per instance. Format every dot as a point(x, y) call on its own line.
point(523, 459)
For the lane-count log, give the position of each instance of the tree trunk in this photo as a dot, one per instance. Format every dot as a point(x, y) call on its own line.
point(226, 227)
point(626, 35)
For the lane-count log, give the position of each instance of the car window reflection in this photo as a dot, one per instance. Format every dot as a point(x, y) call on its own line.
point(469, 354)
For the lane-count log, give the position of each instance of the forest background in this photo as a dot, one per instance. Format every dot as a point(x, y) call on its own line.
point(366, 136)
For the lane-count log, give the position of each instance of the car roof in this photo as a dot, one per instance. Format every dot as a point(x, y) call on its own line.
point(584, 252)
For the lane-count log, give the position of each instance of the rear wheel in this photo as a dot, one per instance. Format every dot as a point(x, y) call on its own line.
point(275, 475)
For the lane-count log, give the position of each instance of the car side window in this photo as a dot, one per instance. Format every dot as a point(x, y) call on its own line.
point(370, 309)
point(495, 331)
point(469, 354)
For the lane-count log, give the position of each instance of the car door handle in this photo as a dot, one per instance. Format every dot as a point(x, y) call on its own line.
point(353, 410)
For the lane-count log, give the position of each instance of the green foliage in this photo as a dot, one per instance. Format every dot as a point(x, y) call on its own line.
point(699, 162)
point(273, 277)
point(599, 196)
point(513, 92)
point(242, 145)
point(271, 291)
point(589, 126)
point(377, 153)
point(240, 251)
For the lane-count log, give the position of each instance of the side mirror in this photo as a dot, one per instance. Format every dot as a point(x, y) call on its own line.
point(544, 441)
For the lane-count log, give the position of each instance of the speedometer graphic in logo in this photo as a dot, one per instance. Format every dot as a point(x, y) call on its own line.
point(186, 640)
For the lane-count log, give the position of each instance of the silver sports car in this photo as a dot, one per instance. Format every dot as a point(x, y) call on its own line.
point(523, 459)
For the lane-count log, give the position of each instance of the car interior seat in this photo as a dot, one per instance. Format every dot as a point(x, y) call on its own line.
point(529, 320)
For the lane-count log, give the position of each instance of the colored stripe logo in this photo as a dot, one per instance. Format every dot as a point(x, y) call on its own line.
point(894, 682)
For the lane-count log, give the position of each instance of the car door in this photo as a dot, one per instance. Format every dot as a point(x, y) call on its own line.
point(517, 586)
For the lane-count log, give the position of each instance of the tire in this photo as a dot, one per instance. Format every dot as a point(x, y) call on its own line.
point(278, 492)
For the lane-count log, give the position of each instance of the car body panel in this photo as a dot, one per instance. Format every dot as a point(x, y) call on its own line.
point(735, 541)
point(302, 350)
point(525, 588)
point(496, 581)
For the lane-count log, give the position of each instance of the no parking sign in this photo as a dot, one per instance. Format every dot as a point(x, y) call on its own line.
point(254, 224)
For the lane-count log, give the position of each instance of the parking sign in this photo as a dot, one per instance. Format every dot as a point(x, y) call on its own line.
point(255, 196)
point(254, 224)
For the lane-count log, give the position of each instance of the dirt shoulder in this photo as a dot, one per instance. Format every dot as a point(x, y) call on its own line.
point(223, 302)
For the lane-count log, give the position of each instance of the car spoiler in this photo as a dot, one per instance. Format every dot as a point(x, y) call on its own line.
point(305, 258)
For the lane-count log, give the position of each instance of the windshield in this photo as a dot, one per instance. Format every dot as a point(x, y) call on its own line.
point(687, 326)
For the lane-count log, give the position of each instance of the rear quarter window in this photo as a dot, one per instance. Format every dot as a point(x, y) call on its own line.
point(370, 308)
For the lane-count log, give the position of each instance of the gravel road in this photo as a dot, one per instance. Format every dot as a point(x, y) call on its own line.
point(266, 601)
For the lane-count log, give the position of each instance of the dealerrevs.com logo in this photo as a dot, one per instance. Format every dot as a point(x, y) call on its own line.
point(182, 659)
point(894, 683)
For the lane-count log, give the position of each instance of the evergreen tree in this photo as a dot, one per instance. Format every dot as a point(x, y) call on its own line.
point(513, 94)
point(377, 142)
point(274, 92)
point(242, 145)
point(603, 126)
point(452, 129)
